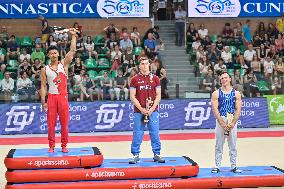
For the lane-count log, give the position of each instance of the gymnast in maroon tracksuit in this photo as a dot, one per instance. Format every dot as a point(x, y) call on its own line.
point(55, 75)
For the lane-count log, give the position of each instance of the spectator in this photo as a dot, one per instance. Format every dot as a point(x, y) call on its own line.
point(150, 46)
point(38, 54)
point(238, 82)
point(256, 67)
point(162, 74)
point(208, 81)
point(279, 43)
point(44, 30)
point(269, 66)
point(260, 30)
point(256, 42)
point(125, 42)
point(238, 33)
point(89, 87)
point(116, 53)
point(266, 41)
point(51, 42)
point(133, 72)
point(79, 85)
point(279, 67)
point(227, 57)
point(62, 45)
point(79, 47)
point(111, 43)
point(250, 87)
point(7, 86)
point(110, 29)
point(206, 43)
point(36, 69)
point(78, 28)
point(25, 67)
point(191, 33)
point(248, 55)
point(247, 33)
point(200, 53)
point(213, 54)
point(218, 68)
point(78, 67)
point(240, 60)
point(280, 24)
point(227, 34)
point(196, 44)
point(272, 52)
point(135, 36)
point(24, 86)
point(272, 31)
point(276, 83)
point(262, 52)
point(127, 56)
point(115, 64)
point(156, 37)
point(120, 86)
point(129, 67)
point(123, 30)
point(13, 49)
point(180, 17)
point(203, 65)
point(220, 44)
point(90, 49)
point(4, 36)
point(202, 32)
point(106, 85)
point(25, 55)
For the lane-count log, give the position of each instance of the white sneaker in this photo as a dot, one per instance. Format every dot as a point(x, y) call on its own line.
point(236, 170)
point(135, 159)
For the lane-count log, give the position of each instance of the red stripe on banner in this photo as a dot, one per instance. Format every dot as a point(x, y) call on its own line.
point(118, 138)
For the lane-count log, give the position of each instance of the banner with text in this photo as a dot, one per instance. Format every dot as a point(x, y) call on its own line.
point(118, 116)
point(276, 109)
point(235, 8)
point(74, 9)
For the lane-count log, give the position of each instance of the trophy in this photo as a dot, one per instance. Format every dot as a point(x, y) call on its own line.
point(230, 118)
point(149, 104)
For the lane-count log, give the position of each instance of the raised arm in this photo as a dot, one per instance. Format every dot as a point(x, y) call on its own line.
point(69, 56)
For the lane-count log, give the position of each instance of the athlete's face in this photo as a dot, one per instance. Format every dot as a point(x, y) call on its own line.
point(225, 79)
point(144, 66)
point(53, 54)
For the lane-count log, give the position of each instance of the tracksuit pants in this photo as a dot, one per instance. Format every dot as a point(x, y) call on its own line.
point(220, 140)
point(138, 133)
point(57, 104)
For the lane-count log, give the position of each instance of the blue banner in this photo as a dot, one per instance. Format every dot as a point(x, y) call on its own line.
point(74, 8)
point(235, 8)
point(118, 116)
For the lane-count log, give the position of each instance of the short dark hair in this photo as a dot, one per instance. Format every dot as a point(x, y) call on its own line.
point(225, 72)
point(51, 48)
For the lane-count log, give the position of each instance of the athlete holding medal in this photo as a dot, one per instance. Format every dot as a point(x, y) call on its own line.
point(55, 75)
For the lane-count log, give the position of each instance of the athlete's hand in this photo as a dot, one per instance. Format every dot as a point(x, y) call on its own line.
point(223, 124)
point(144, 111)
point(44, 107)
point(150, 111)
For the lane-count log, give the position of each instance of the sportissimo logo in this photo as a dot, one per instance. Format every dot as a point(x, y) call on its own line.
point(121, 8)
point(214, 8)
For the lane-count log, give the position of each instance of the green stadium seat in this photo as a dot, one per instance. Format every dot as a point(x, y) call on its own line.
point(102, 73)
point(93, 74)
point(3, 51)
point(103, 63)
point(99, 40)
point(242, 49)
point(137, 51)
point(113, 74)
point(1, 76)
point(12, 65)
point(26, 41)
point(90, 63)
point(242, 72)
point(214, 38)
point(18, 40)
point(233, 50)
point(47, 61)
point(231, 72)
point(263, 86)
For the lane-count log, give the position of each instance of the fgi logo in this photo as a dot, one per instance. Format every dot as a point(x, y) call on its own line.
point(19, 117)
point(196, 113)
point(109, 114)
point(120, 7)
point(220, 8)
